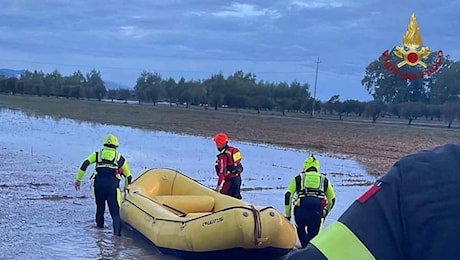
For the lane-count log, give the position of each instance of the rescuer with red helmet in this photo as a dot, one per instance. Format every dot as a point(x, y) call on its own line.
point(228, 167)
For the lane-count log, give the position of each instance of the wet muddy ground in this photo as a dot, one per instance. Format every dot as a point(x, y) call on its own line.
point(43, 217)
point(377, 146)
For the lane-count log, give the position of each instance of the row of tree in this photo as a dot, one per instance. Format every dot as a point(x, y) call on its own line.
point(449, 111)
point(38, 83)
point(433, 96)
point(239, 90)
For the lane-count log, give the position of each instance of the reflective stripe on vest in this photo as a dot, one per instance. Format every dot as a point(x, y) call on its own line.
point(107, 163)
point(338, 242)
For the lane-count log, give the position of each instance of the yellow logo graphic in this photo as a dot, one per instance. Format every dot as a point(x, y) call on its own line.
point(412, 53)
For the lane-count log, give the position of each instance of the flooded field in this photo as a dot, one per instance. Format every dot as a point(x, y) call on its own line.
point(43, 217)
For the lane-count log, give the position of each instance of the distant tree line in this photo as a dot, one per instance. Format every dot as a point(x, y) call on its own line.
point(38, 83)
point(432, 97)
point(239, 90)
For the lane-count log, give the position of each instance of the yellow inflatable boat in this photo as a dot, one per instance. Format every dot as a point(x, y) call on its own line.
point(183, 217)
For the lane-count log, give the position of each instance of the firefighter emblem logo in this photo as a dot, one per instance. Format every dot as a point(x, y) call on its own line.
point(412, 53)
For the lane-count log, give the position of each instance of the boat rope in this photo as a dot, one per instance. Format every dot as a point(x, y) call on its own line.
point(257, 225)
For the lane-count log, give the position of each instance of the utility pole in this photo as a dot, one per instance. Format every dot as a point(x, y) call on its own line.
point(316, 82)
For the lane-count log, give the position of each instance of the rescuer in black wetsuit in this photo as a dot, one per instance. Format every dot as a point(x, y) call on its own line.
point(412, 212)
point(110, 166)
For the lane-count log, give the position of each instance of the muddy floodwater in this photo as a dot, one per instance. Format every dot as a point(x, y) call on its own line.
point(43, 217)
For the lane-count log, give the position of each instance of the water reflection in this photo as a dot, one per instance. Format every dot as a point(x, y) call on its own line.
point(43, 217)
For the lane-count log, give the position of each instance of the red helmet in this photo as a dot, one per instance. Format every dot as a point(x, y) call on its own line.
point(220, 139)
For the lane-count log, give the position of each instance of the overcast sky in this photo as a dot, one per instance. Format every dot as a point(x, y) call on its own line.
point(278, 40)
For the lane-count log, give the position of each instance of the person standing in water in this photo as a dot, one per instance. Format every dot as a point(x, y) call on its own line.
point(110, 166)
point(228, 167)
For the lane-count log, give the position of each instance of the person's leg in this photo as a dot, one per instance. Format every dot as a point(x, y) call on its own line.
point(299, 217)
point(114, 209)
point(313, 224)
point(234, 187)
point(238, 187)
point(226, 187)
point(100, 195)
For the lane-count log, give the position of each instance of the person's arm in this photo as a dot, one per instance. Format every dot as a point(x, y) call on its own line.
point(81, 171)
point(330, 196)
point(126, 171)
point(236, 157)
point(288, 198)
point(221, 166)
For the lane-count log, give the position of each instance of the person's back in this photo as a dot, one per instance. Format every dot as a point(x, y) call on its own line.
point(411, 212)
point(106, 167)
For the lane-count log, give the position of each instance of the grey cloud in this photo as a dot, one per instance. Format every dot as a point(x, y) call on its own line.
point(192, 35)
point(316, 4)
point(242, 10)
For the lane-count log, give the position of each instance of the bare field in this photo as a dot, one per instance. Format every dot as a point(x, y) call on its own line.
point(376, 145)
